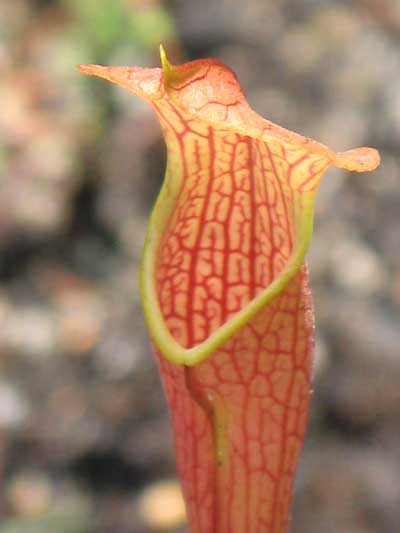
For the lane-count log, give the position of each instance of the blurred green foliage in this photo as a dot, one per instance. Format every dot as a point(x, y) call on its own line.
point(104, 26)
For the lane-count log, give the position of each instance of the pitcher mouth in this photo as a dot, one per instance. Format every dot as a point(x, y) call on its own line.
point(208, 92)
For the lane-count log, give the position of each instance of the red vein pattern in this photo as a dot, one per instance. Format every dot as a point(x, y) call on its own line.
point(239, 417)
point(236, 181)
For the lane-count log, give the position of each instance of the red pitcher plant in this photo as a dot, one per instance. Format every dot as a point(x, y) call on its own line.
point(225, 290)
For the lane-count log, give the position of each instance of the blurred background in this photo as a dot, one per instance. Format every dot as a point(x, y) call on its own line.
point(85, 444)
